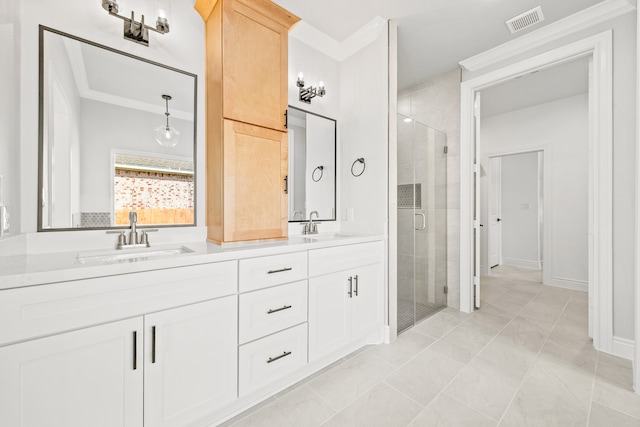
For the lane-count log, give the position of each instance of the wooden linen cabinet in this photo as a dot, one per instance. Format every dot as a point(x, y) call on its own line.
point(247, 160)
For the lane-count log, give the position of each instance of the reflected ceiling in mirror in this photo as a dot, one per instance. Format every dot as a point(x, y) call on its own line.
point(99, 158)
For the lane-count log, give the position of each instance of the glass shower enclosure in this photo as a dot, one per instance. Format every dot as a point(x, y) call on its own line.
point(422, 221)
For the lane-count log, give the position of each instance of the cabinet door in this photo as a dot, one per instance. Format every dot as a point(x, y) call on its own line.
point(255, 167)
point(329, 314)
point(255, 64)
point(89, 377)
point(190, 369)
point(367, 307)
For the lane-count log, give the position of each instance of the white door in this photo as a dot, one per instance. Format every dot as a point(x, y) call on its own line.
point(476, 206)
point(367, 300)
point(329, 314)
point(190, 361)
point(91, 377)
point(494, 220)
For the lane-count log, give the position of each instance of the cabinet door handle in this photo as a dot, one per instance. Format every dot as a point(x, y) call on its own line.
point(273, 359)
point(135, 350)
point(282, 270)
point(355, 291)
point(350, 287)
point(286, 119)
point(286, 307)
point(286, 184)
point(153, 344)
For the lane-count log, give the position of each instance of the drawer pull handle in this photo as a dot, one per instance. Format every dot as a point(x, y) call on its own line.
point(135, 350)
point(282, 270)
point(273, 359)
point(286, 307)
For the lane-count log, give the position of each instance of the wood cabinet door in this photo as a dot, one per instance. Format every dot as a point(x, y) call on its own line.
point(329, 314)
point(190, 362)
point(367, 309)
point(255, 168)
point(254, 65)
point(89, 377)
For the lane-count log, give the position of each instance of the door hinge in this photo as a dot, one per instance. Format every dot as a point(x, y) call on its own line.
point(446, 149)
point(446, 290)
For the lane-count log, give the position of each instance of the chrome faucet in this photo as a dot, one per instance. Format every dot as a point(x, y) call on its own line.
point(311, 227)
point(143, 242)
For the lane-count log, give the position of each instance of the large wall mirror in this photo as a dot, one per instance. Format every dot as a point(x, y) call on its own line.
point(107, 145)
point(312, 165)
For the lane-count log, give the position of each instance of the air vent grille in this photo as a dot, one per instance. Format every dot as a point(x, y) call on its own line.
point(525, 20)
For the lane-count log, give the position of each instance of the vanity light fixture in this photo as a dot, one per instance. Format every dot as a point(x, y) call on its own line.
point(166, 135)
point(307, 93)
point(135, 31)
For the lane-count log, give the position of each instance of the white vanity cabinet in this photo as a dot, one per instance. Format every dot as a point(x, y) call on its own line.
point(88, 377)
point(347, 305)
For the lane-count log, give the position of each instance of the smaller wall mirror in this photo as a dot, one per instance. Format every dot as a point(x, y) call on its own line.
point(312, 166)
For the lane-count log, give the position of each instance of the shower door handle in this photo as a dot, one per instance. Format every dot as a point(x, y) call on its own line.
point(424, 221)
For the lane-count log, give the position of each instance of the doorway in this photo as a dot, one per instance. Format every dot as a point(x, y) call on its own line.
point(598, 49)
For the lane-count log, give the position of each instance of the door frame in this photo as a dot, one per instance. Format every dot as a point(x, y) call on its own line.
point(543, 153)
point(599, 48)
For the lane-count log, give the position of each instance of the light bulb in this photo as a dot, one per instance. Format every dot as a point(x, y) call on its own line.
point(300, 76)
point(408, 120)
point(321, 84)
point(167, 136)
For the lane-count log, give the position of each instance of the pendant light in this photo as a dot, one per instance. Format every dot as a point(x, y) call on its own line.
point(167, 136)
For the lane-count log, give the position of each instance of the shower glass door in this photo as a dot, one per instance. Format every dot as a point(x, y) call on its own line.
point(422, 221)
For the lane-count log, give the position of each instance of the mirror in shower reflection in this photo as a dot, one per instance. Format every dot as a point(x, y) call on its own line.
point(422, 222)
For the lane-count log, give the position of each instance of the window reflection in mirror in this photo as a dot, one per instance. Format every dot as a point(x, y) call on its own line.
point(312, 165)
point(100, 108)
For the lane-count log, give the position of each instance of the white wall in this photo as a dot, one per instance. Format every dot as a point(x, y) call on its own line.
point(560, 128)
point(519, 210)
point(183, 48)
point(9, 114)
point(363, 125)
point(624, 149)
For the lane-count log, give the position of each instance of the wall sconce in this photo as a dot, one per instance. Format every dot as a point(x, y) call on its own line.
point(306, 94)
point(167, 136)
point(135, 31)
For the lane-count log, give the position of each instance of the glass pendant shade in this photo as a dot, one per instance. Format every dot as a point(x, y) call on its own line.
point(167, 136)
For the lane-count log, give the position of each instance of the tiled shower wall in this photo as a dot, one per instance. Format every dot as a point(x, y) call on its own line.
point(436, 103)
point(422, 263)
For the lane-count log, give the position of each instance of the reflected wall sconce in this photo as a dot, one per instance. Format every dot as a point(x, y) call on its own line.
point(134, 31)
point(166, 135)
point(308, 93)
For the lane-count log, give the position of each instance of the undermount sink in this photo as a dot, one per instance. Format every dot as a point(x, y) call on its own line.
point(128, 255)
point(325, 236)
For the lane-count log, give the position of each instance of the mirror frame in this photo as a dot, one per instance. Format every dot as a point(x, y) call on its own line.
point(41, 106)
point(335, 165)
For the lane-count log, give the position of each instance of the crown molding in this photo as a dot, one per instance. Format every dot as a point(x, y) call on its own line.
point(339, 51)
point(584, 19)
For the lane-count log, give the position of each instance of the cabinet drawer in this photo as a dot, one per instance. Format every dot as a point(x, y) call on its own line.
point(270, 310)
point(258, 273)
point(42, 310)
point(266, 360)
point(340, 258)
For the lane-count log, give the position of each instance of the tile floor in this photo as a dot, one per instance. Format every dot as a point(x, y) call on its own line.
point(523, 359)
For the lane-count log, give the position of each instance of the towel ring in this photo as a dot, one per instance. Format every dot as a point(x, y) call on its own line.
point(313, 175)
point(364, 166)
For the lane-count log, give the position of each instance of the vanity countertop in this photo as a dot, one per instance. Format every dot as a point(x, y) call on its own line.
point(18, 271)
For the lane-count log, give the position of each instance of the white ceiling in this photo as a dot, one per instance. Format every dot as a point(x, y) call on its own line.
point(560, 81)
point(433, 35)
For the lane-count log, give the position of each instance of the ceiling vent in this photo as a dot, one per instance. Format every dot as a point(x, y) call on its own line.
point(525, 20)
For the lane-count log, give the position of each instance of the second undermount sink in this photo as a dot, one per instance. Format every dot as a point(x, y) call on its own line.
point(129, 255)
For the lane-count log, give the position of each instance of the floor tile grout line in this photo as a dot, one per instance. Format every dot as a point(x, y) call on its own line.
point(524, 377)
point(593, 387)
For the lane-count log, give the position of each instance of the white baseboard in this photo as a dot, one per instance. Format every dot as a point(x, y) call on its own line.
point(524, 263)
point(559, 282)
point(623, 347)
